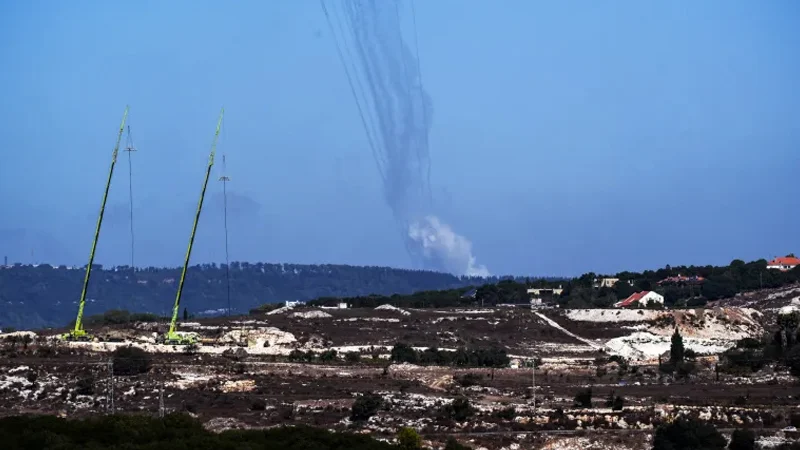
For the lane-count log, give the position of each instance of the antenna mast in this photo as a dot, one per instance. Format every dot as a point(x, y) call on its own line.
point(129, 147)
point(224, 178)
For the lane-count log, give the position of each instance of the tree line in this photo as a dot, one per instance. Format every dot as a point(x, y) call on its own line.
point(717, 282)
point(47, 296)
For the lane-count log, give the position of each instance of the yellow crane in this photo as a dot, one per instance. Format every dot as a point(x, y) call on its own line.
point(78, 333)
point(173, 337)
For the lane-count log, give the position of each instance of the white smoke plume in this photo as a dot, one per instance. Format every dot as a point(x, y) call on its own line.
point(445, 248)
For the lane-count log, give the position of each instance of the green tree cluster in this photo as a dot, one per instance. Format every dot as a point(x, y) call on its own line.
point(135, 432)
point(475, 357)
point(44, 295)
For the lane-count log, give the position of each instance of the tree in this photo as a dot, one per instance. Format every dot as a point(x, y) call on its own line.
point(365, 406)
point(185, 314)
point(688, 434)
point(743, 440)
point(458, 410)
point(408, 439)
point(584, 398)
point(130, 361)
point(676, 349)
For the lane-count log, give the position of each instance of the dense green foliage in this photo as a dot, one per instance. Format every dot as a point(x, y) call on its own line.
point(170, 433)
point(719, 282)
point(44, 296)
point(688, 434)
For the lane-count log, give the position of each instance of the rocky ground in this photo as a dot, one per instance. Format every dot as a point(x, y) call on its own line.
point(241, 375)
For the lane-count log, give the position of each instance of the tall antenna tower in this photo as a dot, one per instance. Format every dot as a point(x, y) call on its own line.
point(225, 179)
point(130, 148)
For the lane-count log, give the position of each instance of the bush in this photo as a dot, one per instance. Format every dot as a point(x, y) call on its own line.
point(365, 407)
point(458, 410)
point(743, 440)
point(258, 404)
point(85, 386)
point(130, 361)
point(584, 398)
point(688, 434)
point(453, 444)
point(408, 439)
point(352, 357)
point(507, 413)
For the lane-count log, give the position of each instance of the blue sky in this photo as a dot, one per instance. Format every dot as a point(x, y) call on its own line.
point(567, 136)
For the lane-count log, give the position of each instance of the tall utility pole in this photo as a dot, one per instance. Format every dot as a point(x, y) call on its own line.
point(161, 398)
point(224, 178)
point(533, 380)
point(130, 148)
point(112, 409)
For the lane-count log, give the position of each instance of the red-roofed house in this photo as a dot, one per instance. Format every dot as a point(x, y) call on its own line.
point(643, 298)
point(784, 263)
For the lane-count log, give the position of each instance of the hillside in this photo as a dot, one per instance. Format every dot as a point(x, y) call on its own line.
point(42, 296)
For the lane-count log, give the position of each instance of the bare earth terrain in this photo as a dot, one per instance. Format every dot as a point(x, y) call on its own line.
point(242, 374)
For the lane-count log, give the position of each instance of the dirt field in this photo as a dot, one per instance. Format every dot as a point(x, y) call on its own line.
point(258, 386)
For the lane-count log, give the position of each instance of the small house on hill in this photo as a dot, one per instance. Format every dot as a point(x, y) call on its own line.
point(640, 299)
point(784, 263)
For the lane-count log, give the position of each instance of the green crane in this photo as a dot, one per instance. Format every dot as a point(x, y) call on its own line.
point(78, 333)
point(172, 337)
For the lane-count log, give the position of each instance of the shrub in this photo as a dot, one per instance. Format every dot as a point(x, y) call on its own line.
point(258, 404)
point(507, 413)
point(85, 386)
point(365, 407)
point(688, 434)
point(584, 398)
point(130, 361)
point(453, 444)
point(408, 439)
point(743, 440)
point(458, 410)
point(352, 357)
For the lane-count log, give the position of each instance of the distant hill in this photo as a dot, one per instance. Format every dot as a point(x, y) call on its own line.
point(42, 296)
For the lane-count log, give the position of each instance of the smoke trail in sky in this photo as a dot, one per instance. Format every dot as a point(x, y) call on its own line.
point(386, 81)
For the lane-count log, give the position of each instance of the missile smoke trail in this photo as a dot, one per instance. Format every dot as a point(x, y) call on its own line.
point(386, 82)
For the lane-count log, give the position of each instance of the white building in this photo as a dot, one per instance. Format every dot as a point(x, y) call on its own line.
point(643, 298)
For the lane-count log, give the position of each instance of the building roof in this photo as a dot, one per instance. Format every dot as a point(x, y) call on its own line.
point(785, 261)
point(634, 298)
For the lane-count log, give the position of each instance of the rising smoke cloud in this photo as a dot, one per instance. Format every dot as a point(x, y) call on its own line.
point(445, 248)
point(395, 110)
